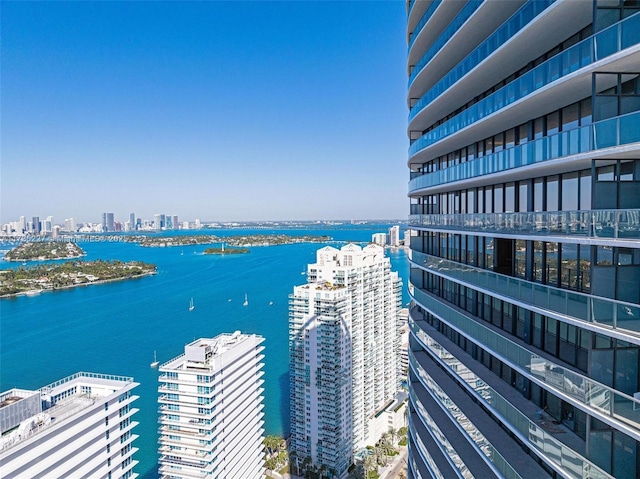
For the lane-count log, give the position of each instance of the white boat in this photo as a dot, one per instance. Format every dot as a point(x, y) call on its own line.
point(155, 362)
point(270, 303)
point(191, 306)
point(246, 300)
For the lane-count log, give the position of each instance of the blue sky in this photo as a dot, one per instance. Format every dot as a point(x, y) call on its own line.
point(216, 110)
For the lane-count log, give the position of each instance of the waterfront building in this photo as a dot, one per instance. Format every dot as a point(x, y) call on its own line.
point(343, 353)
point(175, 222)
point(132, 221)
point(524, 187)
point(79, 426)
point(157, 222)
point(107, 222)
point(394, 236)
point(70, 225)
point(197, 224)
point(379, 238)
point(211, 418)
point(35, 225)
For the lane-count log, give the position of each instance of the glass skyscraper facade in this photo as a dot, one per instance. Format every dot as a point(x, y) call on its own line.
point(524, 158)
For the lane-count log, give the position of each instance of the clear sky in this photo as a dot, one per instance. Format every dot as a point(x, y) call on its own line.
point(217, 110)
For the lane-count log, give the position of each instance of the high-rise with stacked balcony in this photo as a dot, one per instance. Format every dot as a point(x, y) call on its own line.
point(524, 158)
point(79, 426)
point(343, 353)
point(211, 405)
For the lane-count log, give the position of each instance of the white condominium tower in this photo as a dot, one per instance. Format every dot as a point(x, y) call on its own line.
point(79, 426)
point(211, 409)
point(343, 352)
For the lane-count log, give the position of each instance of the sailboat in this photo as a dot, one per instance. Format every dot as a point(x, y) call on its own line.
point(191, 306)
point(155, 362)
point(246, 300)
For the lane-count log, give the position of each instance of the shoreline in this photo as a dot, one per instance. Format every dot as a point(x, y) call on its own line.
point(70, 286)
point(45, 259)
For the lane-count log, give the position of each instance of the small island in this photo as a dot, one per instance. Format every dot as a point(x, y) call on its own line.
point(234, 241)
point(33, 280)
point(44, 250)
point(227, 251)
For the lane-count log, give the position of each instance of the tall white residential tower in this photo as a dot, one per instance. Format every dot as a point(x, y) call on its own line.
point(343, 352)
point(211, 409)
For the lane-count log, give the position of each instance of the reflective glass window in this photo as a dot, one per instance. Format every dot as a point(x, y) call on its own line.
point(569, 191)
point(552, 193)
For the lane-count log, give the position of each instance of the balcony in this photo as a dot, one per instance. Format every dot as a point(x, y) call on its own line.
point(594, 224)
point(616, 131)
point(580, 307)
point(517, 22)
point(601, 401)
point(444, 37)
point(604, 44)
point(565, 458)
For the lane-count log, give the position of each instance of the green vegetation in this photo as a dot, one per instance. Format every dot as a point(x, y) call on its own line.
point(34, 279)
point(233, 241)
point(44, 250)
point(227, 251)
point(276, 455)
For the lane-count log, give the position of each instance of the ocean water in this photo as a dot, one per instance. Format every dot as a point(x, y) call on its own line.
point(115, 328)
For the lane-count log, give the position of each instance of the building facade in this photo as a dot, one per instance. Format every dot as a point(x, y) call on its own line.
point(343, 352)
point(524, 187)
point(211, 418)
point(394, 236)
point(79, 426)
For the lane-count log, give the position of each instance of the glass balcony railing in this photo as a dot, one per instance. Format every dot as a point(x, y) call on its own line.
point(439, 437)
point(605, 312)
point(601, 45)
point(473, 433)
point(507, 30)
point(424, 454)
point(606, 224)
point(596, 396)
point(566, 458)
point(423, 20)
point(445, 36)
point(619, 130)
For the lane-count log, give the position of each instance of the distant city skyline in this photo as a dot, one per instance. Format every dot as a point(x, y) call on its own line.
point(226, 111)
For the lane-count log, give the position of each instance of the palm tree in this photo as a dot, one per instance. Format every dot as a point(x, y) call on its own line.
point(369, 464)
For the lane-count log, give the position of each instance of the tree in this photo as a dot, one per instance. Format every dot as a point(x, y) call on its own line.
point(369, 464)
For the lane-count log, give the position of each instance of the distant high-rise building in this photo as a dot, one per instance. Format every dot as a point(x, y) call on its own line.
point(175, 222)
point(35, 224)
point(70, 225)
point(394, 236)
point(79, 426)
point(524, 157)
point(23, 224)
point(211, 409)
point(132, 221)
point(107, 222)
point(157, 221)
point(197, 223)
point(379, 238)
point(343, 352)
point(47, 225)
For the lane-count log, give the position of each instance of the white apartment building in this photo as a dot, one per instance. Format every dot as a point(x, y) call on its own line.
point(211, 418)
point(394, 236)
point(343, 352)
point(79, 426)
point(379, 238)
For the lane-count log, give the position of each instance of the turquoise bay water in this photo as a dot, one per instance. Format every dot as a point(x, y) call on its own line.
point(115, 328)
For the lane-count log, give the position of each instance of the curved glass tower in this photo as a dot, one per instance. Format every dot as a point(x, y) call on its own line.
point(524, 158)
